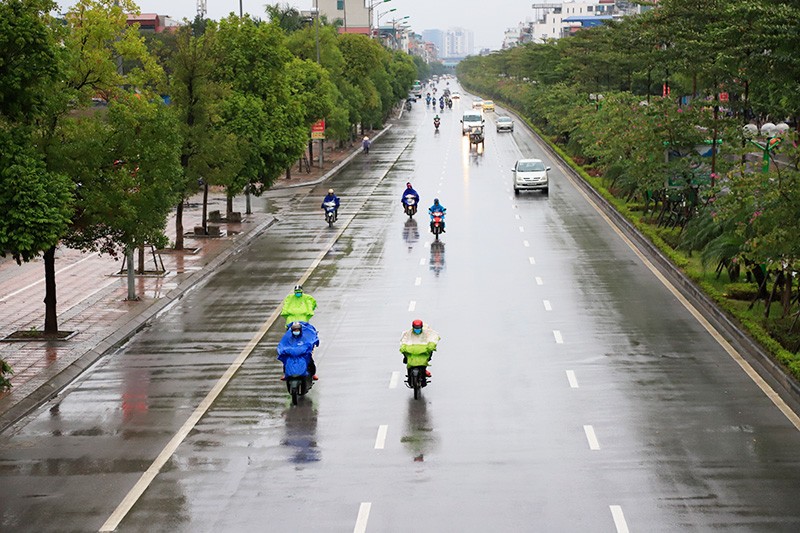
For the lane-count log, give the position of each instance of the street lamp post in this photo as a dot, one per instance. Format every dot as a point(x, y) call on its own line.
point(381, 14)
point(372, 4)
point(394, 30)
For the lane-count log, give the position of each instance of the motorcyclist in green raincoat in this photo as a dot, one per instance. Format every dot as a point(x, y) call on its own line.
point(418, 344)
point(298, 306)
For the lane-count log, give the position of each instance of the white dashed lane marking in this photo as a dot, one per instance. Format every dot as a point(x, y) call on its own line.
point(619, 518)
point(557, 335)
point(363, 517)
point(412, 305)
point(573, 380)
point(591, 437)
point(380, 439)
point(547, 306)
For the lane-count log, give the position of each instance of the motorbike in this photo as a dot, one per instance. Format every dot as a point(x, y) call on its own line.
point(298, 379)
point(427, 101)
point(416, 379)
point(441, 105)
point(449, 103)
point(330, 213)
point(436, 125)
point(408, 106)
point(410, 205)
point(437, 223)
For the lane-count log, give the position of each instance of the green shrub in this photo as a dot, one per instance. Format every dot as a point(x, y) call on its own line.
point(5, 373)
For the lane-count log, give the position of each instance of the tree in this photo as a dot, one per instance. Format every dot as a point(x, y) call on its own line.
point(34, 198)
point(208, 154)
point(260, 111)
point(134, 178)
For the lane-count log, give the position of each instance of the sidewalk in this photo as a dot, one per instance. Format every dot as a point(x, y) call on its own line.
point(91, 293)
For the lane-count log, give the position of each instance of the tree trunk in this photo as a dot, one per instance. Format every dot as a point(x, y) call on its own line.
point(205, 208)
point(179, 226)
point(140, 270)
point(50, 316)
point(229, 204)
point(786, 296)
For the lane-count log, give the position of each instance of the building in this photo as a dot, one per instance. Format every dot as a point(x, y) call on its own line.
point(458, 42)
point(561, 19)
point(354, 14)
point(152, 22)
point(436, 38)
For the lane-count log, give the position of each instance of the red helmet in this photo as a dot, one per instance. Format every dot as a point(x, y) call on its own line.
point(416, 324)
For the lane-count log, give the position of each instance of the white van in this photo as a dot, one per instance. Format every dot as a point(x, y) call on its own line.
point(471, 119)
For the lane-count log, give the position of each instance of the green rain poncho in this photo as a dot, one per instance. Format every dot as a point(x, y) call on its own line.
point(418, 348)
point(298, 308)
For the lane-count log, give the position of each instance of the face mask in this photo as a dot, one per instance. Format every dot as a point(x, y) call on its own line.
point(298, 294)
point(417, 330)
point(296, 333)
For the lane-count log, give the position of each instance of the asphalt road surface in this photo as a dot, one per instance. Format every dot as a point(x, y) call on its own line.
point(572, 390)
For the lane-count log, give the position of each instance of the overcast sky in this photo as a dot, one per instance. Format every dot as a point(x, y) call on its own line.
point(487, 19)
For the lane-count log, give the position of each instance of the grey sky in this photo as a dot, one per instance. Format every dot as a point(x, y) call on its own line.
point(487, 19)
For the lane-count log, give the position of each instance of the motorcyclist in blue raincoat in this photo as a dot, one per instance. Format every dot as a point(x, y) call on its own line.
point(409, 191)
point(331, 197)
point(437, 207)
point(296, 348)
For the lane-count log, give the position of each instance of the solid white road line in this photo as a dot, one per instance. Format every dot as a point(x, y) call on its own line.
point(418, 282)
point(412, 305)
point(619, 519)
point(591, 437)
point(532, 260)
point(393, 382)
point(547, 306)
point(380, 440)
point(526, 244)
point(363, 517)
point(573, 381)
point(557, 335)
point(539, 281)
point(205, 404)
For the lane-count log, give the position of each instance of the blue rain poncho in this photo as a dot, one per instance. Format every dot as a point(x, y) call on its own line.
point(295, 352)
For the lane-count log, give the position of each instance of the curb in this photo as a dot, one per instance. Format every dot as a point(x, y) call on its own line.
point(332, 172)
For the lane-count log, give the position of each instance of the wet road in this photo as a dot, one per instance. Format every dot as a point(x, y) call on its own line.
point(571, 391)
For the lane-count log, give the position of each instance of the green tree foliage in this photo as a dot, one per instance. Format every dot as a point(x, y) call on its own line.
point(261, 111)
point(208, 153)
point(132, 180)
point(35, 202)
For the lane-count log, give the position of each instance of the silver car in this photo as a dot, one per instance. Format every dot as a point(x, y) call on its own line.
point(530, 174)
point(504, 123)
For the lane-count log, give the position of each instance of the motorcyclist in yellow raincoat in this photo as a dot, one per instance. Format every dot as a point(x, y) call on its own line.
point(418, 344)
point(298, 306)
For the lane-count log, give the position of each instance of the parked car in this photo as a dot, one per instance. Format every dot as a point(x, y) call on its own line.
point(488, 105)
point(504, 123)
point(455, 96)
point(530, 174)
point(477, 104)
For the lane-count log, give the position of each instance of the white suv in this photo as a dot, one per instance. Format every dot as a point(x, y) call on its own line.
point(530, 174)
